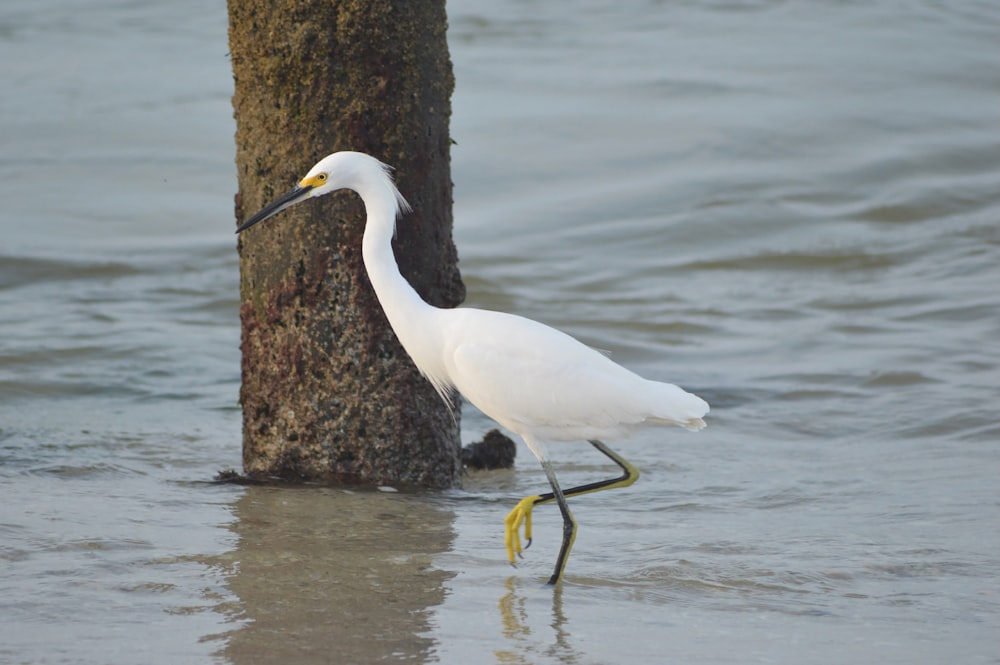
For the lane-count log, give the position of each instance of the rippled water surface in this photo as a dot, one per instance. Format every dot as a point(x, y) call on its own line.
point(792, 209)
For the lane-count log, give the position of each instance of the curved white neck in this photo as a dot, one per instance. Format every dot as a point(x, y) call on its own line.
point(412, 319)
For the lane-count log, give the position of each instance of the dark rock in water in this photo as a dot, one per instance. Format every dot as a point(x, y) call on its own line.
point(495, 451)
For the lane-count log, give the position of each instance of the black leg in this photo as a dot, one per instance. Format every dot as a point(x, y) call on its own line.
point(522, 512)
point(630, 475)
point(569, 524)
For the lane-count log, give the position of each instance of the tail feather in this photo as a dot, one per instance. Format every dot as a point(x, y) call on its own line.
point(693, 424)
point(679, 407)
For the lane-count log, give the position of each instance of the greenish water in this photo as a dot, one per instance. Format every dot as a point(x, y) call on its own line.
point(789, 208)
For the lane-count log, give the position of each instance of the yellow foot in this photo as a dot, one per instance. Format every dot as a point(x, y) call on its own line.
point(512, 526)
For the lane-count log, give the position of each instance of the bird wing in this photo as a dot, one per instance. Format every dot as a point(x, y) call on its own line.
point(530, 377)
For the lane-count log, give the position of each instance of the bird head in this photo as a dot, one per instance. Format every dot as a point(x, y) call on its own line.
point(341, 170)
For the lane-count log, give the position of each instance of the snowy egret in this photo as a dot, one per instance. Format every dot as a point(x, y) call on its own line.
point(534, 380)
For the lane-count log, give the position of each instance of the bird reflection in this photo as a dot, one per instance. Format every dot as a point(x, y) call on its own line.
point(516, 607)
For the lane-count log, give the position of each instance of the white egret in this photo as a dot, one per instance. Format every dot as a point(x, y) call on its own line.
point(534, 380)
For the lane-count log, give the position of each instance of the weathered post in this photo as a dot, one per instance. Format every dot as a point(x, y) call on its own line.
point(328, 393)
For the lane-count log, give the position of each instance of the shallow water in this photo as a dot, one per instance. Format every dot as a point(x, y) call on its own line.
point(789, 208)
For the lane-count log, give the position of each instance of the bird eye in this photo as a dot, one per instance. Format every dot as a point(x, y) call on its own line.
point(321, 177)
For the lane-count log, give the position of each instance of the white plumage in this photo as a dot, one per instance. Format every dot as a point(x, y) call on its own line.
point(534, 380)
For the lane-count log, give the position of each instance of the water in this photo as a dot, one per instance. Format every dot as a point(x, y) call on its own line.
point(790, 208)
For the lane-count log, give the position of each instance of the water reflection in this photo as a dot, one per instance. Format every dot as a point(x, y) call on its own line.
point(516, 626)
point(327, 575)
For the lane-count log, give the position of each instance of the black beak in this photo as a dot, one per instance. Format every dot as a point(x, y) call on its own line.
point(286, 200)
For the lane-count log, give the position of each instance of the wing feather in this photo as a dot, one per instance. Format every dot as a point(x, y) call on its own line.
point(530, 377)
